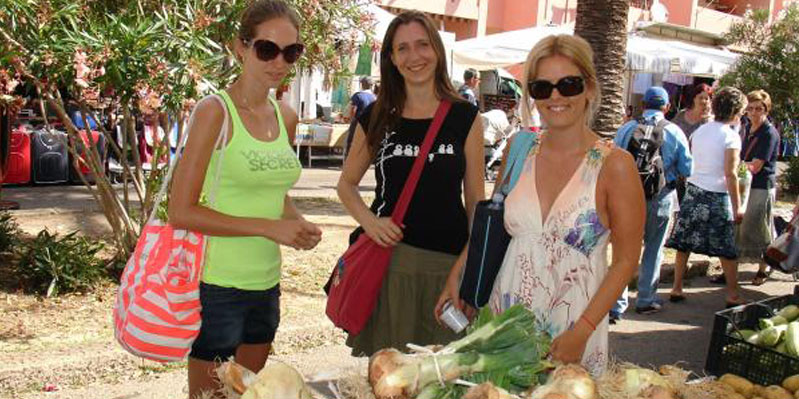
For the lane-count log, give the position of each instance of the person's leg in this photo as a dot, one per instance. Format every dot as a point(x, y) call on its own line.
point(657, 224)
point(253, 356)
point(761, 275)
point(223, 316)
point(680, 263)
point(202, 378)
point(260, 328)
point(763, 270)
point(730, 268)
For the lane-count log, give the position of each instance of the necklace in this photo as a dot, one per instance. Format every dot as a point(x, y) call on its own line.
point(245, 105)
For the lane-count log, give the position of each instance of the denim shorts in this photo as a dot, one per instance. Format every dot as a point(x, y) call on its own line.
point(231, 317)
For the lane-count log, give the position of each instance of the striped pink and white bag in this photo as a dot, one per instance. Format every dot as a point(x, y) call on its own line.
point(157, 310)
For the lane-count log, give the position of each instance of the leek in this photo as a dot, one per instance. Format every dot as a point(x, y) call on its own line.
point(504, 349)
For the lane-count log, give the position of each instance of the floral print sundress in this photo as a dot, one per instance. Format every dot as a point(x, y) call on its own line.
point(555, 266)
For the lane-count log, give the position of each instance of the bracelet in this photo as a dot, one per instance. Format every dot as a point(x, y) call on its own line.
point(590, 324)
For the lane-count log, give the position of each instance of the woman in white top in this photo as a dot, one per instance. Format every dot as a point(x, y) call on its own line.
point(711, 204)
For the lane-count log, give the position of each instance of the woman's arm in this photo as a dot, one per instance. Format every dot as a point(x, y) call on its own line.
point(731, 175)
point(474, 192)
point(621, 189)
point(755, 165)
point(290, 212)
point(381, 230)
point(185, 210)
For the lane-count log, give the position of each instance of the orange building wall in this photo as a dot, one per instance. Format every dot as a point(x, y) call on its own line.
point(508, 15)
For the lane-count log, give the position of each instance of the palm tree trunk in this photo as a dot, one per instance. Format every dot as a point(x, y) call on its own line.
point(603, 23)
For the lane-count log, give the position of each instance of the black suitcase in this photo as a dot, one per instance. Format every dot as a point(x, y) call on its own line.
point(50, 157)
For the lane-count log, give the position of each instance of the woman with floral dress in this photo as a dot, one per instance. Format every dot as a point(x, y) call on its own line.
point(575, 194)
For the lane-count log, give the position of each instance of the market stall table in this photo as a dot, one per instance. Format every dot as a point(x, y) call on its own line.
point(329, 139)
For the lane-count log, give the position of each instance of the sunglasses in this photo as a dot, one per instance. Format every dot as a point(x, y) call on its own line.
point(267, 50)
point(568, 86)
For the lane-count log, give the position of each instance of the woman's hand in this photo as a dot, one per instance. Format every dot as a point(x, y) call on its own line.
point(569, 346)
point(737, 216)
point(451, 293)
point(383, 231)
point(298, 234)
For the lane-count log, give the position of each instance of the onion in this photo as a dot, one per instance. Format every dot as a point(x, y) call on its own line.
point(277, 380)
point(486, 390)
point(568, 382)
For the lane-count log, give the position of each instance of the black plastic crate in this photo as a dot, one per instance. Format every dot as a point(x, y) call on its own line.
point(728, 354)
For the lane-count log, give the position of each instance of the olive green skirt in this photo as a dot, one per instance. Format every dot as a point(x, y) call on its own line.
point(756, 231)
point(404, 310)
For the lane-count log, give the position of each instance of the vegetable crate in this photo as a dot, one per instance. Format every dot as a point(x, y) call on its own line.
point(730, 354)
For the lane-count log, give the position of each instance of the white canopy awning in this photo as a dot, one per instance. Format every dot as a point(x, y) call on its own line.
point(644, 54)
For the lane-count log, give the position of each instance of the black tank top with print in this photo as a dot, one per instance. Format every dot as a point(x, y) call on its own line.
point(436, 218)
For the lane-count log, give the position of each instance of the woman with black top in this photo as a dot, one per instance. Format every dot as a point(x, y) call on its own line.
point(759, 152)
point(434, 233)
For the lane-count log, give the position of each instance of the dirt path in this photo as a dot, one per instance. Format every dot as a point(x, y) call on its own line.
point(67, 342)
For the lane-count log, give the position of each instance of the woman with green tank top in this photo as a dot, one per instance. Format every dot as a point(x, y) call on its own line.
point(250, 175)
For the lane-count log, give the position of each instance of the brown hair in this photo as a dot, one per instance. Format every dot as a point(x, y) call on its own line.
point(391, 98)
point(762, 96)
point(727, 104)
point(696, 90)
point(572, 47)
point(264, 10)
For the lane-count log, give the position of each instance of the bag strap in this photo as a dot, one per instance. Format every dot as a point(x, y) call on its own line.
point(221, 140)
point(750, 147)
point(523, 142)
point(416, 171)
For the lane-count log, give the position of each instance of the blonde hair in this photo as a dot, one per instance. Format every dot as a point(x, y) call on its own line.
point(762, 96)
point(572, 47)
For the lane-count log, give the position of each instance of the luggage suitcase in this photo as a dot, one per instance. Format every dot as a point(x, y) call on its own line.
point(79, 166)
point(50, 157)
point(149, 138)
point(19, 157)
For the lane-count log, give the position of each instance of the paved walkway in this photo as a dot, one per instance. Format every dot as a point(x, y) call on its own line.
point(319, 182)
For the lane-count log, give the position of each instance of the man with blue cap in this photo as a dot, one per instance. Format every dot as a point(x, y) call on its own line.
point(662, 155)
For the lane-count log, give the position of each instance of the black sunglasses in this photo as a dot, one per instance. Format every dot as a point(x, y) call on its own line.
point(568, 86)
point(267, 50)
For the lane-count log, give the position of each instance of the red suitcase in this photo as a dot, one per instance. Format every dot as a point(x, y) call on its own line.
point(19, 157)
point(79, 166)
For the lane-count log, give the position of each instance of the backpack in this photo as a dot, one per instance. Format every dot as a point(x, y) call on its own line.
point(645, 146)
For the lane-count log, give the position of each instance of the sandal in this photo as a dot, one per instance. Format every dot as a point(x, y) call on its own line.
point(740, 301)
point(760, 278)
point(676, 298)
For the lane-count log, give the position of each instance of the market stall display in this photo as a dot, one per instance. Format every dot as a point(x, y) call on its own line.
point(505, 349)
point(277, 380)
point(759, 341)
point(327, 140)
point(504, 357)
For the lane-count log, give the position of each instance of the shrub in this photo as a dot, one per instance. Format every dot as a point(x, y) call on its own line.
point(790, 177)
point(51, 264)
point(9, 232)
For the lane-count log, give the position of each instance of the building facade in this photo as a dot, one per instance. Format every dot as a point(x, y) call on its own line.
point(471, 18)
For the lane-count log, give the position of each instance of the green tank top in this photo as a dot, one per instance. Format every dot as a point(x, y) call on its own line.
point(254, 178)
